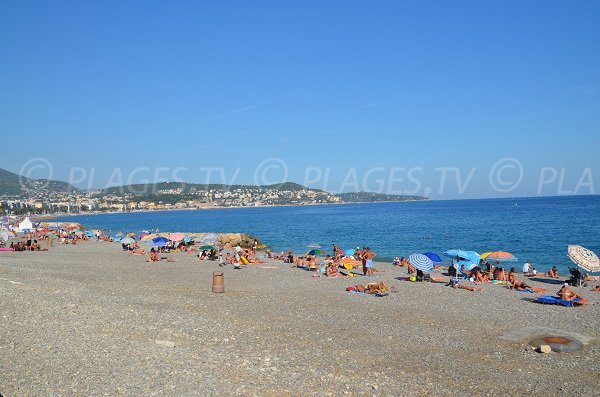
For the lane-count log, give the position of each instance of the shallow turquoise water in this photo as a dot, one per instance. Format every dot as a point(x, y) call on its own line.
point(537, 228)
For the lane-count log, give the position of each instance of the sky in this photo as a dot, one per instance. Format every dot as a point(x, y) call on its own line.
point(461, 99)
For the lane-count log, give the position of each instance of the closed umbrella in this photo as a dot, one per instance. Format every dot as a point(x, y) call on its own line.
point(584, 258)
point(421, 262)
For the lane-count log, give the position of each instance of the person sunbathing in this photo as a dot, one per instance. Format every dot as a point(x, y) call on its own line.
point(154, 257)
point(597, 289)
point(552, 273)
point(500, 274)
point(587, 277)
point(480, 276)
point(331, 270)
point(515, 282)
point(463, 286)
point(138, 251)
point(567, 294)
point(372, 288)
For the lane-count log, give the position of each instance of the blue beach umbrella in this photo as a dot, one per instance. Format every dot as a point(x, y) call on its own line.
point(435, 258)
point(421, 262)
point(158, 240)
point(453, 253)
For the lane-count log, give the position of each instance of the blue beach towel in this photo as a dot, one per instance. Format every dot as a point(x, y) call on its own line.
point(553, 300)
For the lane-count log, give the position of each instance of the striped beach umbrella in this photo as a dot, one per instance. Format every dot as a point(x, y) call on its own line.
point(584, 258)
point(421, 262)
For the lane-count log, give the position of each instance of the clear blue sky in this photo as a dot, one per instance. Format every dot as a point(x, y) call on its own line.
point(336, 86)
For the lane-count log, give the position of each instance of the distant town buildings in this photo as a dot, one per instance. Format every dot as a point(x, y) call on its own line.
point(44, 201)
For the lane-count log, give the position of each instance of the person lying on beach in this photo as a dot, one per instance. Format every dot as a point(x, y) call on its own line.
point(587, 277)
point(567, 294)
point(463, 286)
point(552, 273)
point(373, 288)
point(138, 251)
point(597, 289)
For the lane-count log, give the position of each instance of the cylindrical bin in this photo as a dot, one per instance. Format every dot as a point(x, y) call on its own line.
point(218, 282)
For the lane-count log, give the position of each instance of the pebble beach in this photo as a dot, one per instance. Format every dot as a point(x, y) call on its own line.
point(92, 320)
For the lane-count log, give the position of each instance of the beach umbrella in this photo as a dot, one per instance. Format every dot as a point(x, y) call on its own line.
point(499, 256)
point(584, 258)
point(160, 239)
point(127, 240)
point(159, 244)
point(421, 262)
point(206, 247)
point(176, 236)
point(453, 253)
point(349, 262)
point(315, 252)
point(349, 252)
point(435, 258)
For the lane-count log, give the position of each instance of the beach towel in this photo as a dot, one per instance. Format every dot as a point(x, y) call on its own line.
point(553, 300)
point(532, 290)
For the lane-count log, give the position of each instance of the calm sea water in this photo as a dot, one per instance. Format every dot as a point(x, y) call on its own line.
point(538, 228)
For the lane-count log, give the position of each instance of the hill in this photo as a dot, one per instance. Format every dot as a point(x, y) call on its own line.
point(12, 184)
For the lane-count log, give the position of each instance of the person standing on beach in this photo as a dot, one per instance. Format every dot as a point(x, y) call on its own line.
point(368, 256)
point(254, 246)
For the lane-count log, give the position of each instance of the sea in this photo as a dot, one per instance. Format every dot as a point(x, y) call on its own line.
point(538, 229)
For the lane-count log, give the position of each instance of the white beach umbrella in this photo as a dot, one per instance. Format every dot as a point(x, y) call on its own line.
point(584, 258)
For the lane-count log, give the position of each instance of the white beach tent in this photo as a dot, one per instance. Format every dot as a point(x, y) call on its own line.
point(24, 225)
